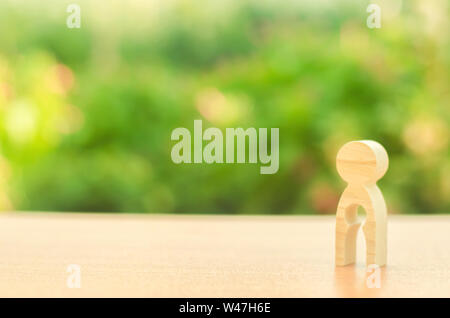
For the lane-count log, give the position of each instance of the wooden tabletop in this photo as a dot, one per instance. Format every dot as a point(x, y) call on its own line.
point(213, 256)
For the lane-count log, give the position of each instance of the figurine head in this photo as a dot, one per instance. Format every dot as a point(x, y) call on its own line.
point(362, 162)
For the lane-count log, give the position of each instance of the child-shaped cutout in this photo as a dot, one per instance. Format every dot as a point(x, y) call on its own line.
point(361, 164)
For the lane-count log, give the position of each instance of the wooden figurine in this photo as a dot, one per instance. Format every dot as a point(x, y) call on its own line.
point(361, 164)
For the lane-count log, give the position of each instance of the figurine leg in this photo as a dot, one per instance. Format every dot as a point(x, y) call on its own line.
point(347, 226)
point(375, 235)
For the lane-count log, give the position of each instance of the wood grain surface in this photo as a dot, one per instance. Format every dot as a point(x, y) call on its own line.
point(213, 256)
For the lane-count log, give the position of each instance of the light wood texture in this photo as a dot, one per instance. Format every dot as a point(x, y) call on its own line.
point(213, 256)
point(361, 164)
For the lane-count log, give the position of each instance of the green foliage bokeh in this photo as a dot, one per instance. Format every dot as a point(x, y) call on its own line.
point(86, 114)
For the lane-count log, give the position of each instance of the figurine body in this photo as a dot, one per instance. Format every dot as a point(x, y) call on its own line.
point(361, 164)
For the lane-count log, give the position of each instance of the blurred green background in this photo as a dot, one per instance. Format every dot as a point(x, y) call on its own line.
point(86, 114)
